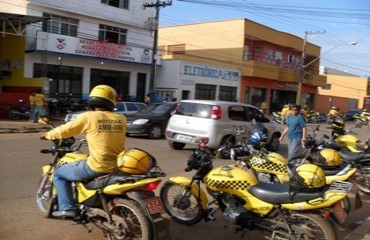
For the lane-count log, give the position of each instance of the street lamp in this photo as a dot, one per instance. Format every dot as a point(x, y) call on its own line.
point(304, 66)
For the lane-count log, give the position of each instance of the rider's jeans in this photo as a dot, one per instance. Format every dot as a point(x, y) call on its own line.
point(33, 113)
point(294, 147)
point(63, 178)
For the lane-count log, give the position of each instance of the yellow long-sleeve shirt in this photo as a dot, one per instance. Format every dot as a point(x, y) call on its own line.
point(105, 134)
point(40, 99)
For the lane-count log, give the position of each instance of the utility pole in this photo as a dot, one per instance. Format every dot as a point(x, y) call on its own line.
point(302, 69)
point(154, 28)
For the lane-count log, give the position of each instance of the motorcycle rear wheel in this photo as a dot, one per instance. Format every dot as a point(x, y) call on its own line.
point(46, 201)
point(306, 226)
point(13, 114)
point(363, 180)
point(181, 204)
point(140, 227)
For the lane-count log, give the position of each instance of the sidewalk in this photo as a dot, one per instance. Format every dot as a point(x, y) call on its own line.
point(21, 126)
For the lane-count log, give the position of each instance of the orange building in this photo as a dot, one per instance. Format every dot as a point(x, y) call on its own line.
point(269, 60)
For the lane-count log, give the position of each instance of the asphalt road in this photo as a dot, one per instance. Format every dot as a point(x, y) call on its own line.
point(20, 169)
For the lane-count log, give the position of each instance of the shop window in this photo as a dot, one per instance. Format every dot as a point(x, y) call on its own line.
point(205, 92)
point(227, 93)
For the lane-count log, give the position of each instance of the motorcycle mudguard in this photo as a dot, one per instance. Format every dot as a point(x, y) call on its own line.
point(332, 196)
point(120, 188)
point(195, 190)
point(330, 179)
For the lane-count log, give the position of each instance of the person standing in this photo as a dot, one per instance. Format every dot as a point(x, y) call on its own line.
point(295, 131)
point(32, 100)
point(263, 107)
point(106, 138)
point(147, 99)
point(40, 104)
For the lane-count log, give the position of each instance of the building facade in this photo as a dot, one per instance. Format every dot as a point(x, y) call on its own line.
point(81, 44)
point(269, 60)
point(344, 90)
point(188, 80)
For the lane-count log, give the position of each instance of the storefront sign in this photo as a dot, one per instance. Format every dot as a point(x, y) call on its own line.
point(288, 86)
point(205, 71)
point(93, 48)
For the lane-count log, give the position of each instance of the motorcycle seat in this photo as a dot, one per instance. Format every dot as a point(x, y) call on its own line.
point(347, 155)
point(281, 193)
point(357, 158)
point(332, 170)
point(112, 178)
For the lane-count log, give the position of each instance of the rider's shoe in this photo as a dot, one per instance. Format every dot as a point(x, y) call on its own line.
point(64, 214)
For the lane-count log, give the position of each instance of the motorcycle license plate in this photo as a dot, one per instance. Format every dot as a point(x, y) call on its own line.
point(339, 213)
point(154, 206)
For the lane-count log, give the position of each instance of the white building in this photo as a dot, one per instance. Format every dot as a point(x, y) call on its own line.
point(87, 42)
point(189, 80)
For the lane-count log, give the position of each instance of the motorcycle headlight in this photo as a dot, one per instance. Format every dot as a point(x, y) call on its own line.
point(140, 121)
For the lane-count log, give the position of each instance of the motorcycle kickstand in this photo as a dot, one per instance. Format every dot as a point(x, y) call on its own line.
point(89, 229)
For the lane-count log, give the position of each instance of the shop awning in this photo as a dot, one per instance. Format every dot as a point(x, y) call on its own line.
point(14, 23)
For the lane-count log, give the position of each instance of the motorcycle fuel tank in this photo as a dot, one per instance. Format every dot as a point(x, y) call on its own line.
point(230, 179)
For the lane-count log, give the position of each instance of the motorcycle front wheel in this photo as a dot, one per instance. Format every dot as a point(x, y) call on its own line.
point(45, 199)
point(139, 226)
point(181, 204)
point(305, 226)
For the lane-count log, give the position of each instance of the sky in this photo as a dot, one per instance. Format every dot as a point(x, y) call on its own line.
point(330, 24)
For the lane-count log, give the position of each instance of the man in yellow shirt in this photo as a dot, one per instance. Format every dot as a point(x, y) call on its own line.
point(40, 104)
point(106, 137)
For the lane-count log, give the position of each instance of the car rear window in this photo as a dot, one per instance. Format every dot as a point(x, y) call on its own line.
point(194, 109)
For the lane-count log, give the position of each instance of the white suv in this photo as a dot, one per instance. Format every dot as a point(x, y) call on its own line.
point(217, 121)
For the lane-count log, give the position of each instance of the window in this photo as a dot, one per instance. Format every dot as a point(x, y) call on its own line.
point(253, 113)
point(205, 91)
point(116, 3)
point(132, 107)
point(227, 93)
point(176, 49)
point(112, 34)
point(60, 25)
point(327, 87)
point(237, 113)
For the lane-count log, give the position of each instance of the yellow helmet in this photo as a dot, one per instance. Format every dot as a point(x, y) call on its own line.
point(102, 96)
point(329, 157)
point(308, 176)
point(135, 161)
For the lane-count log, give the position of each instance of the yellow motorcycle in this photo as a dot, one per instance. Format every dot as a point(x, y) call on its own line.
point(122, 205)
point(284, 211)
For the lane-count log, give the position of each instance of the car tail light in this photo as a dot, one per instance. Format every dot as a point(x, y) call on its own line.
point(216, 112)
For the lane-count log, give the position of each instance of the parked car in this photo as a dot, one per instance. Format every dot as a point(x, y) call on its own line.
point(150, 121)
point(123, 108)
point(216, 120)
point(348, 116)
